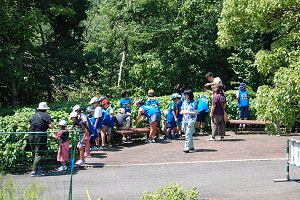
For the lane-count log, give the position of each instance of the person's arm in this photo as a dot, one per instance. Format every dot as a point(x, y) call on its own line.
point(138, 117)
point(212, 110)
point(51, 125)
point(174, 114)
point(86, 133)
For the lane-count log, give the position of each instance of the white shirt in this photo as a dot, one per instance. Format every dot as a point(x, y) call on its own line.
point(218, 80)
point(98, 112)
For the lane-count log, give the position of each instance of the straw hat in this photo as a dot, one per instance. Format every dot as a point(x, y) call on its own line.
point(43, 106)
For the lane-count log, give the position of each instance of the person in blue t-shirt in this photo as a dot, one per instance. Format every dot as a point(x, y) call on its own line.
point(179, 89)
point(242, 97)
point(152, 114)
point(152, 101)
point(203, 107)
point(125, 101)
point(172, 116)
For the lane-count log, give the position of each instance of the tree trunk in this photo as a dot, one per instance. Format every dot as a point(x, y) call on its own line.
point(121, 66)
point(14, 95)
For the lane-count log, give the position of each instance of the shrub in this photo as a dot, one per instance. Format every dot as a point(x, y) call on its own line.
point(172, 192)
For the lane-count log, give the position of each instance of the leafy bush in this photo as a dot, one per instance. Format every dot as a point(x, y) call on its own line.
point(172, 192)
point(8, 190)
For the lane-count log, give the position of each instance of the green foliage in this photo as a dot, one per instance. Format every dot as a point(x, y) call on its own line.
point(8, 190)
point(172, 192)
point(275, 24)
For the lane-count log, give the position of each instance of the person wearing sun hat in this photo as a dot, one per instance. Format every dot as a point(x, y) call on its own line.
point(39, 122)
point(96, 120)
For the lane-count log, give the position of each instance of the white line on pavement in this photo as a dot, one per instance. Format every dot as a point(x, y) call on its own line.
point(193, 162)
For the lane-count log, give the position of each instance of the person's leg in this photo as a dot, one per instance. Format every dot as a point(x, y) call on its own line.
point(97, 140)
point(103, 135)
point(81, 153)
point(246, 112)
point(214, 127)
point(153, 130)
point(190, 130)
point(222, 126)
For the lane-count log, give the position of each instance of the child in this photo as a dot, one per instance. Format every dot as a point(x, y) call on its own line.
point(203, 106)
point(97, 121)
point(152, 101)
point(83, 136)
point(125, 101)
point(108, 122)
point(172, 116)
point(180, 90)
point(217, 113)
point(242, 97)
point(85, 120)
point(122, 120)
point(153, 115)
point(189, 111)
point(63, 150)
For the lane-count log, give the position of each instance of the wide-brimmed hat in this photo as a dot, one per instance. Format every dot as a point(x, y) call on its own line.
point(90, 109)
point(151, 93)
point(94, 100)
point(76, 107)
point(43, 106)
point(73, 114)
point(62, 123)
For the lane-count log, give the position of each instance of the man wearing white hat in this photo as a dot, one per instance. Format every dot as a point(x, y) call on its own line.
point(39, 122)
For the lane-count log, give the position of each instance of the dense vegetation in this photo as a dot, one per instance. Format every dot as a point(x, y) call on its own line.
point(72, 49)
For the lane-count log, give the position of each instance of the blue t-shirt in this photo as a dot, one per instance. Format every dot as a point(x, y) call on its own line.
point(170, 116)
point(126, 104)
point(243, 98)
point(153, 103)
point(179, 105)
point(203, 104)
point(149, 111)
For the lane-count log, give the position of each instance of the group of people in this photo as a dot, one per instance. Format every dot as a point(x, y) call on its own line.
point(96, 124)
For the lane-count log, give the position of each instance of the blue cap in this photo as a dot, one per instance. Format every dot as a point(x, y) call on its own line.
point(175, 96)
point(243, 85)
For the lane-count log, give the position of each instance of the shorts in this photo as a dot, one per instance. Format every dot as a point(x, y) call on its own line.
point(179, 123)
point(171, 125)
point(108, 130)
point(244, 111)
point(155, 117)
point(201, 117)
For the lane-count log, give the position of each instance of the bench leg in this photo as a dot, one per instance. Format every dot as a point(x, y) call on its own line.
point(235, 128)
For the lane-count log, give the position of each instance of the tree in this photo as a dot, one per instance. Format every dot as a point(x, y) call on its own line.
point(276, 22)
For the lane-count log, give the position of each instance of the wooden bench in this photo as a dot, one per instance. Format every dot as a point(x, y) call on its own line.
point(132, 131)
point(255, 122)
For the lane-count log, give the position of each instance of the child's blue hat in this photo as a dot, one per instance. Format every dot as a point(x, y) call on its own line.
point(175, 96)
point(243, 85)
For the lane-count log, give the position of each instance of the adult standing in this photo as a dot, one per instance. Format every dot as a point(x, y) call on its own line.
point(217, 113)
point(213, 82)
point(39, 123)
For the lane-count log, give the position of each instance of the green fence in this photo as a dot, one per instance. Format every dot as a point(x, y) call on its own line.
point(20, 154)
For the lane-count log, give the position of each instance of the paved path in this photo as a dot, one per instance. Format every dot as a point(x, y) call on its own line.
point(243, 167)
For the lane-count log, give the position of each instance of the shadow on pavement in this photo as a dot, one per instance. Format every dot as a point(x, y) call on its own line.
point(206, 150)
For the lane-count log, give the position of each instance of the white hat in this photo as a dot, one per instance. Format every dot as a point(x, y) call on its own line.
point(94, 100)
point(43, 106)
point(73, 114)
point(62, 123)
point(76, 107)
point(121, 110)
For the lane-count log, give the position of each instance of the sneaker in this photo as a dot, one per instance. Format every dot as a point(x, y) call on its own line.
point(109, 145)
point(221, 138)
point(186, 151)
point(244, 126)
point(87, 154)
point(102, 148)
point(124, 139)
point(148, 141)
point(79, 162)
point(241, 126)
point(94, 148)
point(211, 139)
point(153, 141)
point(62, 168)
point(202, 131)
point(192, 149)
point(36, 174)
